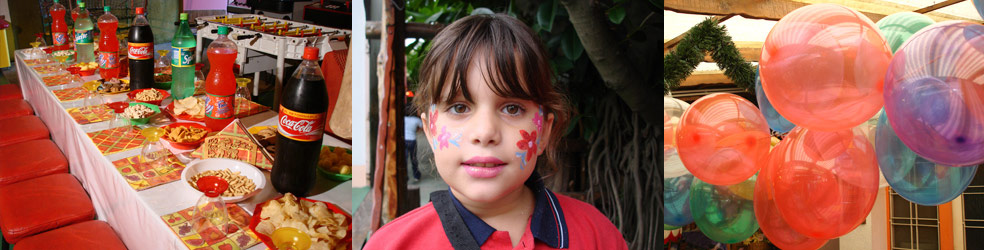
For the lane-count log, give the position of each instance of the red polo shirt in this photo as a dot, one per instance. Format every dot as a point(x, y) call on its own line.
point(558, 222)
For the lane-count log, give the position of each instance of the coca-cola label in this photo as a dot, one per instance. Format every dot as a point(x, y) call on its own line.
point(83, 36)
point(182, 56)
point(301, 126)
point(108, 60)
point(219, 106)
point(140, 51)
point(60, 38)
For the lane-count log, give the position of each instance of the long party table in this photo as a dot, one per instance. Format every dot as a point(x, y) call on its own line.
point(136, 215)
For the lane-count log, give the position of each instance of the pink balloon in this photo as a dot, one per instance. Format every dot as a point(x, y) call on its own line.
point(723, 139)
point(823, 65)
point(769, 218)
point(826, 182)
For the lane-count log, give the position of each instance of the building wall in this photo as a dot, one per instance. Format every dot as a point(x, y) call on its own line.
point(162, 15)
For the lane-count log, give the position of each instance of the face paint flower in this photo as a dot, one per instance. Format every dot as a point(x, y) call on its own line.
point(528, 143)
point(538, 120)
point(443, 137)
point(432, 118)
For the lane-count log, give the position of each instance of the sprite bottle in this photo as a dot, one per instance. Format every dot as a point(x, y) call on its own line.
point(84, 36)
point(183, 60)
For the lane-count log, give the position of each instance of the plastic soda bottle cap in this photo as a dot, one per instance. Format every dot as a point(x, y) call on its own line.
point(223, 30)
point(106, 8)
point(81, 4)
point(310, 53)
point(183, 16)
point(140, 10)
point(56, 1)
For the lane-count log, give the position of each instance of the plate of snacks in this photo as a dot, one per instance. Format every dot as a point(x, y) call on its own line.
point(244, 180)
point(335, 163)
point(267, 137)
point(189, 109)
point(139, 113)
point(152, 96)
point(86, 69)
point(113, 86)
point(185, 136)
point(329, 226)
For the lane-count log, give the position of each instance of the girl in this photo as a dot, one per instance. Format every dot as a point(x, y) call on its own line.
point(491, 111)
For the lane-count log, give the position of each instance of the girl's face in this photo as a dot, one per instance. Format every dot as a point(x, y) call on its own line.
point(486, 148)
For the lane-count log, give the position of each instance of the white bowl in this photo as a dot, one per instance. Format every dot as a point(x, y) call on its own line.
point(243, 168)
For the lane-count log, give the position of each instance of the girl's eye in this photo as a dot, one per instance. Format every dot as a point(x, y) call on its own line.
point(458, 109)
point(513, 110)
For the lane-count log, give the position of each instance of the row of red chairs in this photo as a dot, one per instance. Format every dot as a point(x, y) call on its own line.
point(42, 206)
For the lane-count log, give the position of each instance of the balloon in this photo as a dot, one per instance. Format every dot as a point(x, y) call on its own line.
point(822, 67)
point(934, 95)
point(676, 200)
point(669, 227)
point(898, 27)
point(915, 178)
point(769, 219)
point(720, 213)
point(672, 110)
point(723, 139)
point(979, 5)
point(776, 121)
point(826, 182)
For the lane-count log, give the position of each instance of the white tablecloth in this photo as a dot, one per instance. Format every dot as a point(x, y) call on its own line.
point(136, 216)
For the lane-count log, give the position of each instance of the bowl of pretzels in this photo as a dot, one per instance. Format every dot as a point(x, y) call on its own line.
point(185, 135)
point(244, 179)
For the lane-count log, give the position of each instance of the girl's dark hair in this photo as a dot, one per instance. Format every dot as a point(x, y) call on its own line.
point(516, 66)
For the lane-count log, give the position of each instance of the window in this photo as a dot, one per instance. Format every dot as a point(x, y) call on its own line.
point(973, 201)
point(915, 226)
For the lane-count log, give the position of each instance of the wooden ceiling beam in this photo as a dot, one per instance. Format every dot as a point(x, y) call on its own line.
point(776, 9)
point(937, 6)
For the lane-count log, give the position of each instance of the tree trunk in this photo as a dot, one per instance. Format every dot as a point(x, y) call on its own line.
point(618, 73)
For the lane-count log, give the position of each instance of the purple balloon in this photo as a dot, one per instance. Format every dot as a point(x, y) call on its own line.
point(934, 97)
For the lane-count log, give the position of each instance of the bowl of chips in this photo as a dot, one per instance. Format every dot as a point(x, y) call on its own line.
point(184, 135)
point(335, 163)
point(85, 68)
point(329, 226)
point(139, 113)
point(188, 109)
point(152, 96)
point(244, 179)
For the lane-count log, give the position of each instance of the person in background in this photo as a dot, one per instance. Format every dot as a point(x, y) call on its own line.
point(412, 124)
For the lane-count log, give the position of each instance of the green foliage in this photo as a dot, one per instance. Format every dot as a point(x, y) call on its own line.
point(706, 36)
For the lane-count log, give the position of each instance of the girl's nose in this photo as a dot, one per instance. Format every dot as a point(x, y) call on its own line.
point(484, 129)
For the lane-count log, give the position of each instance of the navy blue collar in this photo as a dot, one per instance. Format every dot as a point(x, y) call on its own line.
point(547, 225)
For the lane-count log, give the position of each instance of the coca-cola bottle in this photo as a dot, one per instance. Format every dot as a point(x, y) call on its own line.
point(141, 52)
point(302, 116)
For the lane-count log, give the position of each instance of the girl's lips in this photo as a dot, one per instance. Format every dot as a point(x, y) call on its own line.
point(483, 172)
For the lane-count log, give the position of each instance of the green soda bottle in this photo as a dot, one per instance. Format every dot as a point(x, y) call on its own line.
point(84, 36)
point(183, 61)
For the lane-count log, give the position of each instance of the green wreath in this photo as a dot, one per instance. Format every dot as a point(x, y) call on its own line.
point(706, 36)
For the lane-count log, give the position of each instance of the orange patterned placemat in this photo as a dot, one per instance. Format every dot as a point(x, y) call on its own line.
point(246, 108)
point(140, 176)
point(235, 234)
point(98, 113)
point(32, 62)
point(56, 80)
point(117, 139)
point(48, 69)
point(69, 94)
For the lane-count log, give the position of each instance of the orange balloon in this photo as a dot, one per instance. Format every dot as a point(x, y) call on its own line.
point(826, 182)
point(769, 218)
point(823, 66)
point(723, 139)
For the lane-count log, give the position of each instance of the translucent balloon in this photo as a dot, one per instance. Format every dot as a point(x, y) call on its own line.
point(775, 120)
point(822, 67)
point(676, 200)
point(723, 139)
point(669, 227)
point(898, 27)
point(826, 182)
point(723, 213)
point(979, 4)
point(672, 111)
point(915, 178)
point(934, 95)
point(770, 220)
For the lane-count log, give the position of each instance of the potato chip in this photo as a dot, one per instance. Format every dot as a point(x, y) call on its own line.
point(326, 229)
